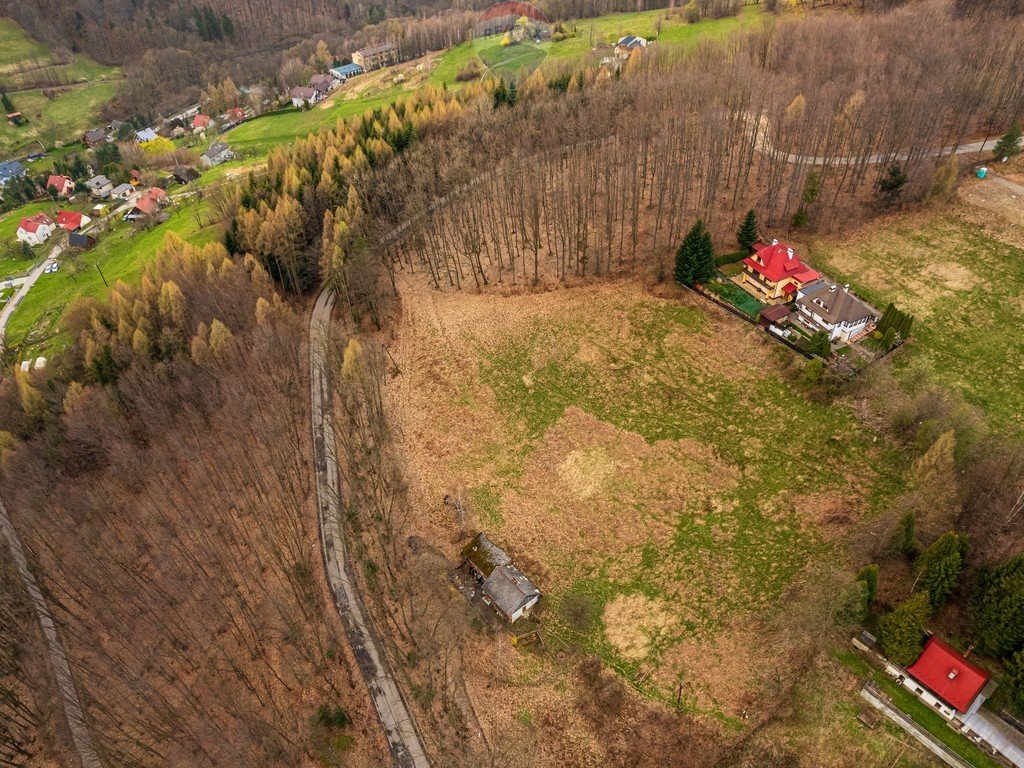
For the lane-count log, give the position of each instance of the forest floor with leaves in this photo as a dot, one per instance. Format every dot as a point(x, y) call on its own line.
point(676, 498)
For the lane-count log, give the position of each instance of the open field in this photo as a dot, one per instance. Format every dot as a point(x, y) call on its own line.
point(957, 272)
point(645, 461)
point(120, 254)
point(606, 30)
point(55, 114)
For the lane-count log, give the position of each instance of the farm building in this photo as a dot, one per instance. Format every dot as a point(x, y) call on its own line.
point(345, 71)
point(504, 586)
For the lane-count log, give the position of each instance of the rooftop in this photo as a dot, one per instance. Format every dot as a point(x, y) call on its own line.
point(509, 589)
point(833, 303)
point(948, 674)
point(485, 555)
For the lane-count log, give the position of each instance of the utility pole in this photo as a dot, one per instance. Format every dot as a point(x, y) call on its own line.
point(102, 277)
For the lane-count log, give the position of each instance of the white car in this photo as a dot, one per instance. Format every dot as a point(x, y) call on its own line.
point(52, 267)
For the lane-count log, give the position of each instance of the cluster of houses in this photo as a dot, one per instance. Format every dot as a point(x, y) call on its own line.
point(322, 83)
point(10, 170)
point(799, 297)
point(37, 229)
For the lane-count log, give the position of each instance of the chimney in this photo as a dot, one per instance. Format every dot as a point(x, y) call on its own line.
point(774, 241)
point(953, 673)
point(789, 252)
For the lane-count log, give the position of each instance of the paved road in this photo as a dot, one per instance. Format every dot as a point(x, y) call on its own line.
point(61, 671)
point(399, 727)
point(23, 289)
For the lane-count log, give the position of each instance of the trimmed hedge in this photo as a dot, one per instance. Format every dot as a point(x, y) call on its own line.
point(730, 258)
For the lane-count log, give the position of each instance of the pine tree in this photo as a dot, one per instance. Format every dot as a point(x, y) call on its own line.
point(869, 576)
point(999, 615)
point(1009, 145)
point(899, 632)
point(695, 259)
point(747, 234)
point(8, 104)
point(940, 567)
point(891, 184)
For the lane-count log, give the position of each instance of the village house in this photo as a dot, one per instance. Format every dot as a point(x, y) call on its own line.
point(144, 206)
point(824, 306)
point(184, 175)
point(100, 186)
point(63, 184)
point(69, 221)
point(81, 240)
point(200, 123)
point(774, 273)
point(628, 44)
point(944, 679)
point(235, 115)
point(376, 56)
point(504, 586)
point(155, 193)
point(218, 153)
point(302, 96)
point(122, 191)
point(146, 134)
point(345, 71)
point(95, 137)
point(35, 230)
point(322, 84)
point(10, 170)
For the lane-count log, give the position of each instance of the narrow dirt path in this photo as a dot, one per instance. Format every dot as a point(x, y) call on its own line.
point(399, 728)
point(61, 670)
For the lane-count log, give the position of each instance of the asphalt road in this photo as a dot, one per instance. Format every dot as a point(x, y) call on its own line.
point(399, 728)
point(23, 289)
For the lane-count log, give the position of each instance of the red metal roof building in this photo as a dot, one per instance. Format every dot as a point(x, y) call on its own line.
point(775, 273)
point(948, 674)
point(71, 220)
point(33, 223)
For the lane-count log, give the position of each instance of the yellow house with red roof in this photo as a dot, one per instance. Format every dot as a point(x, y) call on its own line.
point(774, 273)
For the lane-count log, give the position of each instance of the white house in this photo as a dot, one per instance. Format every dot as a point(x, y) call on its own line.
point(825, 306)
point(146, 134)
point(218, 153)
point(99, 186)
point(35, 230)
point(303, 96)
point(122, 191)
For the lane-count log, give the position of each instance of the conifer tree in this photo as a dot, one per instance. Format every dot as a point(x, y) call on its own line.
point(1009, 145)
point(747, 234)
point(695, 259)
point(899, 632)
point(941, 565)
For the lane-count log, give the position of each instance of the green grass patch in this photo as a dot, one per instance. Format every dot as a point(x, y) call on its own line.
point(17, 48)
point(732, 294)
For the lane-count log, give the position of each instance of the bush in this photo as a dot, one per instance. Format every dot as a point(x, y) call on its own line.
point(691, 12)
point(469, 72)
point(730, 258)
point(327, 717)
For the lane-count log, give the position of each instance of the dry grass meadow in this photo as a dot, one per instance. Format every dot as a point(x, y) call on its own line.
point(675, 497)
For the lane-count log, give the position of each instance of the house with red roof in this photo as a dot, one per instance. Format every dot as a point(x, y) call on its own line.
point(69, 221)
point(63, 184)
point(155, 193)
point(35, 230)
point(144, 206)
point(201, 123)
point(943, 678)
point(774, 273)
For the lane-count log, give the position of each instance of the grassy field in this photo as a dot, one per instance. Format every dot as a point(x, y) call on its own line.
point(647, 462)
point(56, 114)
point(965, 287)
point(607, 30)
point(120, 256)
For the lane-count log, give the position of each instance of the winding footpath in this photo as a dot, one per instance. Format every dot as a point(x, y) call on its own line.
point(399, 728)
point(61, 670)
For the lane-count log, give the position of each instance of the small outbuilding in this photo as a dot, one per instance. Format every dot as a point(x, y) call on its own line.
point(504, 587)
point(184, 175)
point(776, 314)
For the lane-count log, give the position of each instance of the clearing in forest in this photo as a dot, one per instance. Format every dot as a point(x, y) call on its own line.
point(646, 463)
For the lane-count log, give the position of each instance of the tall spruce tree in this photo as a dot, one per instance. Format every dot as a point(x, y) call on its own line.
point(941, 565)
point(747, 234)
point(1009, 144)
point(695, 259)
point(899, 632)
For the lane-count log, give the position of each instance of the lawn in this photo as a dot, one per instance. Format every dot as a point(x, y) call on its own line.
point(607, 30)
point(918, 711)
point(648, 462)
point(120, 256)
point(732, 294)
point(966, 290)
point(262, 134)
point(73, 108)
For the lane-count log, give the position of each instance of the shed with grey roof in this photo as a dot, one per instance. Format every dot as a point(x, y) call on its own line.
point(504, 586)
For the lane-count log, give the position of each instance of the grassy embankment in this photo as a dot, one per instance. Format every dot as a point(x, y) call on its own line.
point(55, 114)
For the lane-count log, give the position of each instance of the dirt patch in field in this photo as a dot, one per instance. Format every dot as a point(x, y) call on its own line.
point(996, 205)
point(586, 471)
point(634, 623)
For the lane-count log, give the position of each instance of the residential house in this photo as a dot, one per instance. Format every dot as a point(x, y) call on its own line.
point(200, 123)
point(81, 240)
point(776, 314)
point(303, 96)
point(184, 175)
point(943, 678)
point(100, 186)
point(146, 134)
point(69, 221)
point(95, 137)
point(35, 230)
point(345, 71)
point(235, 115)
point(376, 56)
point(322, 84)
point(144, 206)
point(503, 586)
point(155, 193)
point(215, 155)
point(824, 306)
point(122, 191)
point(774, 273)
point(9, 170)
point(628, 44)
point(63, 184)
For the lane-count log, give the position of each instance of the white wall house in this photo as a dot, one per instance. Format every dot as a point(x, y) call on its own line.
point(825, 306)
point(35, 230)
